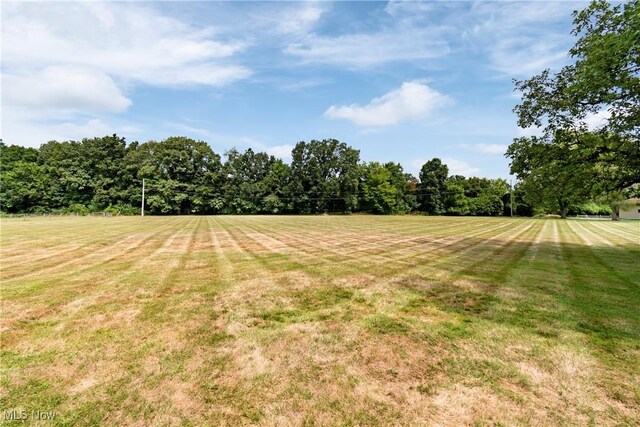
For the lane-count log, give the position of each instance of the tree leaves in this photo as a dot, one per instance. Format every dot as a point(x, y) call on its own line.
point(572, 159)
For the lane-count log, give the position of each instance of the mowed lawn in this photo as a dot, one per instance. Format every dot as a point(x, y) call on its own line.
point(321, 320)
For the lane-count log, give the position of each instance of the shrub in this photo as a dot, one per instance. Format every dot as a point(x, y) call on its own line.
point(77, 209)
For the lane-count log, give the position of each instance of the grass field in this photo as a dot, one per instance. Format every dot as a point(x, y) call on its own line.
point(324, 320)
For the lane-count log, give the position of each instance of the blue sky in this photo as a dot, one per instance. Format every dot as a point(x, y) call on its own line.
point(400, 81)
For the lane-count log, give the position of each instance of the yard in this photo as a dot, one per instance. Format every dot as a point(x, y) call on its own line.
point(320, 320)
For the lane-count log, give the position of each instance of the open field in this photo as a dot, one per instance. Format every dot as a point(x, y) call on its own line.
point(354, 320)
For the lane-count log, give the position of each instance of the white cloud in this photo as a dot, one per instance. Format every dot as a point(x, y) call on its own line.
point(64, 88)
point(32, 130)
point(304, 84)
point(412, 101)
point(486, 148)
point(524, 56)
point(202, 74)
point(399, 33)
point(65, 61)
point(402, 8)
point(518, 38)
point(276, 23)
point(521, 38)
point(93, 127)
point(281, 151)
point(125, 40)
point(595, 121)
point(300, 20)
point(361, 50)
point(459, 167)
point(526, 15)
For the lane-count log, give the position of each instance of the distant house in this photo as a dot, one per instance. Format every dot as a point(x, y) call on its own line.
point(630, 209)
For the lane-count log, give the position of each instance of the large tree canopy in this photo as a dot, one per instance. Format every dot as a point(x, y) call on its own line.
point(432, 188)
point(385, 189)
point(605, 77)
point(552, 175)
point(324, 176)
point(587, 114)
point(475, 196)
point(249, 182)
point(183, 175)
point(598, 93)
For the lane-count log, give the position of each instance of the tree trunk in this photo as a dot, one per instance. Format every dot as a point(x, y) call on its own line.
point(615, 213)
point(564, 209)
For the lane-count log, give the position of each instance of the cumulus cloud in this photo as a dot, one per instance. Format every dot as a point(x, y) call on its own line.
point(64, 88)
point(129, 41)
point(300, 20)
point(33, 130)
point(460, 167)
point(64, 64)
point(91, 127)
point(595, 121)
point(280, 151)
point(412, 101)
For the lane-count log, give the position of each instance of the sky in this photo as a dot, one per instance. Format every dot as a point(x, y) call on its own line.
point(401, 81)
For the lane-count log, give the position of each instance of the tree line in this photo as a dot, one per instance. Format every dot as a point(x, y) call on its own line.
point(569, 166)
point(185, 176)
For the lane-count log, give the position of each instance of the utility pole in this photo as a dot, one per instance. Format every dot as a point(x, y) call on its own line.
point(511, 195)
point(142, 197)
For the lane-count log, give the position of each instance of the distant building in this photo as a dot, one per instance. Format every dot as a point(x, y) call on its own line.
point(631, 209)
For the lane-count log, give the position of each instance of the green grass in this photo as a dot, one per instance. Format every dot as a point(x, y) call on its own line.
point(351, 320)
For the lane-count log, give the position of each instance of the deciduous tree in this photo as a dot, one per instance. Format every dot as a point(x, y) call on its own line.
point(385, 189)
point(324, 176)
point(432, 188)
point(602, 83)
